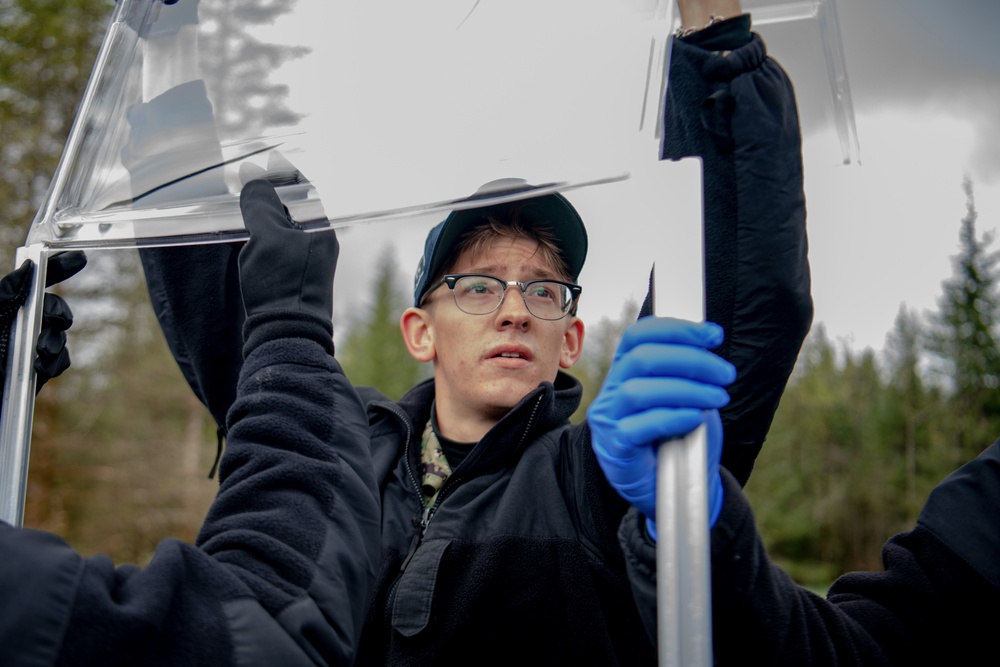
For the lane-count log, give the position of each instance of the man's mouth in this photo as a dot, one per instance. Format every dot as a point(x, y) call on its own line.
point(512, 352)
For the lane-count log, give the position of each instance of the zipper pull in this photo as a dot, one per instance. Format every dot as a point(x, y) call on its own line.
point(425, 518)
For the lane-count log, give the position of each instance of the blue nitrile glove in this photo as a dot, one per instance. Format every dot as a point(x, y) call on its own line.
point(662, 384)
point(53, 356)
point(282, 267)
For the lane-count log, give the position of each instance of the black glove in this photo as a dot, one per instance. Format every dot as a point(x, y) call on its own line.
point(53, 357)
point(282, 267)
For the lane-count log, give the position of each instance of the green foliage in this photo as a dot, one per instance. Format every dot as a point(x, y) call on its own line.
point(599, 345)
point(47, 48)
point(856, 446)
point(373, 354)
point(964, 337)
point(121, 447)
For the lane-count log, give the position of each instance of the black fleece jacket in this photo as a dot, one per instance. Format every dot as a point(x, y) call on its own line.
point(283, 566)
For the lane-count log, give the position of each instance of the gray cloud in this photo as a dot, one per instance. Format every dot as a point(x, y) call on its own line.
point(920, 55)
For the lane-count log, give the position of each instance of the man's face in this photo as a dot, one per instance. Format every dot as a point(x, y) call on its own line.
point(485, 364)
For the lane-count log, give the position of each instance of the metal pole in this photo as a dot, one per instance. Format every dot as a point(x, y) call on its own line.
point(18, 407)
point(683, 567)
point(683, 551)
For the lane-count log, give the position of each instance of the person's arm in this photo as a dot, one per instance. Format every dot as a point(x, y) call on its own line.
point(758, 612)
point(697, 14)
point(284, 565)
point(732, 106)
point(936, 601)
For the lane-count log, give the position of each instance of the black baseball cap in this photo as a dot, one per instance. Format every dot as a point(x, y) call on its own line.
point(551, 211)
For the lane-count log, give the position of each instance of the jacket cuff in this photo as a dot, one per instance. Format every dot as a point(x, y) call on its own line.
point(265, 327)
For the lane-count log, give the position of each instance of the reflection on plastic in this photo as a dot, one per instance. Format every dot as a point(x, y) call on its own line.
point(384, 109)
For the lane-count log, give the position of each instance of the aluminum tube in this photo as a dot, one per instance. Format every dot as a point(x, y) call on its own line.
point(18, 405)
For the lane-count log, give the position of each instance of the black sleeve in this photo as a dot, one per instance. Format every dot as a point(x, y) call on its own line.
point(284, 564)
point(735, 109)
point(758, 610)
point(930, 605)
point(195, 293)
point(936, 601)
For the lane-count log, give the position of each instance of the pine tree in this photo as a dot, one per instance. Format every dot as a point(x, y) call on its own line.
point(794, 487)
point(373, 353)
point(911, 419)
point(599, 345)
point(964, 337)
point(131, 446)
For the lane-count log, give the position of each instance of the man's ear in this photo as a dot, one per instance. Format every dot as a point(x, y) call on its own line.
point(416, 325)
point(572, 342)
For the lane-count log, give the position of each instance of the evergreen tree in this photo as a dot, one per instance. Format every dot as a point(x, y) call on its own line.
point(823, 491)
point(964, 338)
point(130, 447)
point(910, 423)
point(373, 353)
point(599, 345)
point(792, 488)
point(855, 530)
point(47, 49)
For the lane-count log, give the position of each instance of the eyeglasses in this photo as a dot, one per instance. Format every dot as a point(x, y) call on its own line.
point(478, 294)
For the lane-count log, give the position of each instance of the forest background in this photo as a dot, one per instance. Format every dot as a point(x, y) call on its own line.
point(122, 449)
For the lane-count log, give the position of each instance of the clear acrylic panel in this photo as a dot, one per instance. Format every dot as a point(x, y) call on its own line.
point(360, 111)
point(822, 29)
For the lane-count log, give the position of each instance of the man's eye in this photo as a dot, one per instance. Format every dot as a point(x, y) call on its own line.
point(475, 287)
point(541, 292)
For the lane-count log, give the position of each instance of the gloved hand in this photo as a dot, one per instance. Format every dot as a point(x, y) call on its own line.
point(662, 384)
point(282, 267)
point(53, 357)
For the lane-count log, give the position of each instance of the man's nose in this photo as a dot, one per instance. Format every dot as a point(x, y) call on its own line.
point(513, 312)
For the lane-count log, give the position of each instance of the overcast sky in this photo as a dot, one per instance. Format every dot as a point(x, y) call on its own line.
point(925, 80)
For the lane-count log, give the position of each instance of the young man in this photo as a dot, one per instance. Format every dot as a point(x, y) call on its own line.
point(498, 526)
point(283, 567)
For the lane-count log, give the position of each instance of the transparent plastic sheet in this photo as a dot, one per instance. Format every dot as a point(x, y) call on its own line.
point(148, 162)
point(824, 12)
point(381, 109)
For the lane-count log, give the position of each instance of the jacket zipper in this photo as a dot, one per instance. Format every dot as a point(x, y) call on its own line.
point(450, 484)
point(426, 513)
